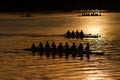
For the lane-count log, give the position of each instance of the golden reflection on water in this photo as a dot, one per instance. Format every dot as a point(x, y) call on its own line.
point(94, 29)
point(96, 74)
point(59, 69)
point(100, 26)
point(94, 25)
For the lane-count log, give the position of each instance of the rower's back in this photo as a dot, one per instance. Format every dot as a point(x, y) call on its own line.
point(81, 34)
point(47, 46)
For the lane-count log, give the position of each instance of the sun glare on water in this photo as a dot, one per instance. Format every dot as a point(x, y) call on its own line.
point(93, 30)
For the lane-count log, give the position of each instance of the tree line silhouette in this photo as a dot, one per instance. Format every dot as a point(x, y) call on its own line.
point(57, 5)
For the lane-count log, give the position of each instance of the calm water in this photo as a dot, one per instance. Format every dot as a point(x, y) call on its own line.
point(18, 32)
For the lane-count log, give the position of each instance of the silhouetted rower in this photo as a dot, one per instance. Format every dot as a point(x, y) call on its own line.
point(33, 48)
point(87, 49)
point(68, 35)
point(40, 49)
point(53, 50)
point(81, 34)
point(80, 51)
point(73, 50)
point(77, 34)
point(60, 50)
point(47, 49)
point(72, 34)
point(66, 50)
point(47, 46)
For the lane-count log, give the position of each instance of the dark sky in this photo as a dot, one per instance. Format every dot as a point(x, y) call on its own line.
point(23, 5)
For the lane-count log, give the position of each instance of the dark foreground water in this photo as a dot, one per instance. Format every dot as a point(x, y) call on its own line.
point(18, 32)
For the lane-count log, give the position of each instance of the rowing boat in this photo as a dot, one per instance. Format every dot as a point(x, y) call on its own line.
point(91, 52)
point(85, 36)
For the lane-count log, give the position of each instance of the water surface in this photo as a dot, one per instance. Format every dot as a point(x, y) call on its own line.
point(18, 32)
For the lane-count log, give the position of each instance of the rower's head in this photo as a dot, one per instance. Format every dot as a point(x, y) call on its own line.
point(76, 30)
point(72, 31)
point(66, 43)
point(53, 42)
point(73, 43)
point(68, 31)
point(40, 43)
point(46, 42)
point(80, 43)
point(87, 44)
point(33, 43)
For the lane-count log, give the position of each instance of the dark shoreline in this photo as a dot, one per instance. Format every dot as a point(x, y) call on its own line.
point(58, 5)
point(60, 11)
